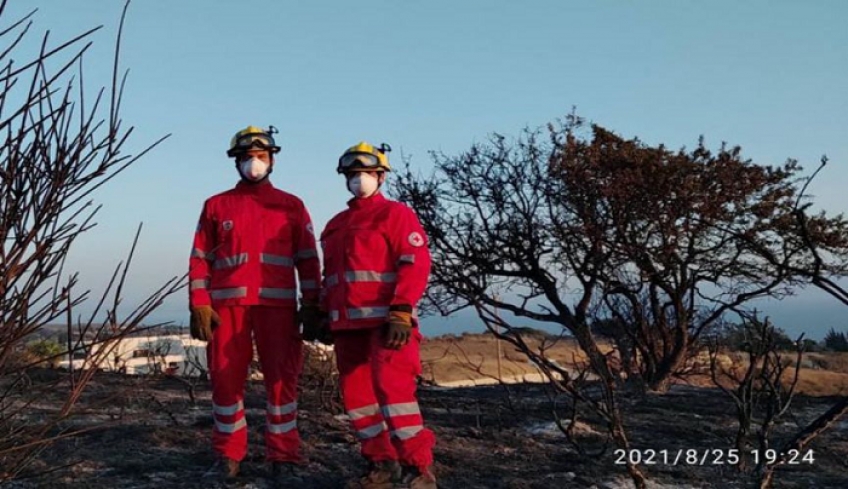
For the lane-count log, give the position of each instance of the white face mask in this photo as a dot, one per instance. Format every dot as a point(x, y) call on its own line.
point(253, 169)
point(363, 184)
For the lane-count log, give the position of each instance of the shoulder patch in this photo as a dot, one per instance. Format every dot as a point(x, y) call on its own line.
point(415, 239)
point(227, 225)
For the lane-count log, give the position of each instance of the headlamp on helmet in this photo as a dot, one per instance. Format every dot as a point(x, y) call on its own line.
point(365, 157)
point(253, 137)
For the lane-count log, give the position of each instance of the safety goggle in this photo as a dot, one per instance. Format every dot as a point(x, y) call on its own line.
point(263, 141)
point(364, 160)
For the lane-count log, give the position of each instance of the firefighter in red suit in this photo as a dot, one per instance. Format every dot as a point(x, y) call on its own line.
point(376, 266)
point(249, 243)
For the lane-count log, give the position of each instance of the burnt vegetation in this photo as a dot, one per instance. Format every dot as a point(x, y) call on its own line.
point(587, 232)
point(641, 255)
point(58, 144)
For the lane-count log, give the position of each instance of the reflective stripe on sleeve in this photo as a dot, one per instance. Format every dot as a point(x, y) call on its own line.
point(331, 280)
point(370, 276)
point(233, 293)
point(304, 254)
point(309, 285)
point(368, 312)
point(279, 260)
point(198, 284)
point(198, 253)
point(406, 259)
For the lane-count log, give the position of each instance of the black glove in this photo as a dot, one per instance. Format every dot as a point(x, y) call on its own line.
point(203, 322)
point(315, 322)
point(398, 329)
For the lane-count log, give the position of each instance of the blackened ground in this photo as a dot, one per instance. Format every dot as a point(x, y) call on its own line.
point(150, 435)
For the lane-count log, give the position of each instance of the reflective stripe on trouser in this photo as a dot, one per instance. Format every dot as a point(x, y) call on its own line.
point(229, 419)
point(280, 354)
point(378, 386)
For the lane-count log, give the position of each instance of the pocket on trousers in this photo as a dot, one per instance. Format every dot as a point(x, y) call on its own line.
point(407, 359)
point(415, 351)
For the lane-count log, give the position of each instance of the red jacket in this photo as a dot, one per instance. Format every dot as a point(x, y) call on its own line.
point(375, 256)
point(248, 243)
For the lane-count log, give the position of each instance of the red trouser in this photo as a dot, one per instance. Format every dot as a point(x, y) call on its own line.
point(229, 354)
point(378, 386)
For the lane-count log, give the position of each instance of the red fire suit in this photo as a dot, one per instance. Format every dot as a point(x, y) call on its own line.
point(248, 243)
point(376, 256)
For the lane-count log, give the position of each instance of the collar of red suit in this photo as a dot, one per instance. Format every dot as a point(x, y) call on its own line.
point(362, 203)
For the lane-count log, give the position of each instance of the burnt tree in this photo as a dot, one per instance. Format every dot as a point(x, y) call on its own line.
point(57, 146)
point(580, 225)
point(810, 246)
point(560, 229)
point(671, 222)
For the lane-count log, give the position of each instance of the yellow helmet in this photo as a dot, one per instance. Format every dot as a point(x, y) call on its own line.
point(252, 136)
point(364, 157)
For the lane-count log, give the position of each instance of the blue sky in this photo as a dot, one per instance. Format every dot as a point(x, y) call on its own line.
point(767, 75)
